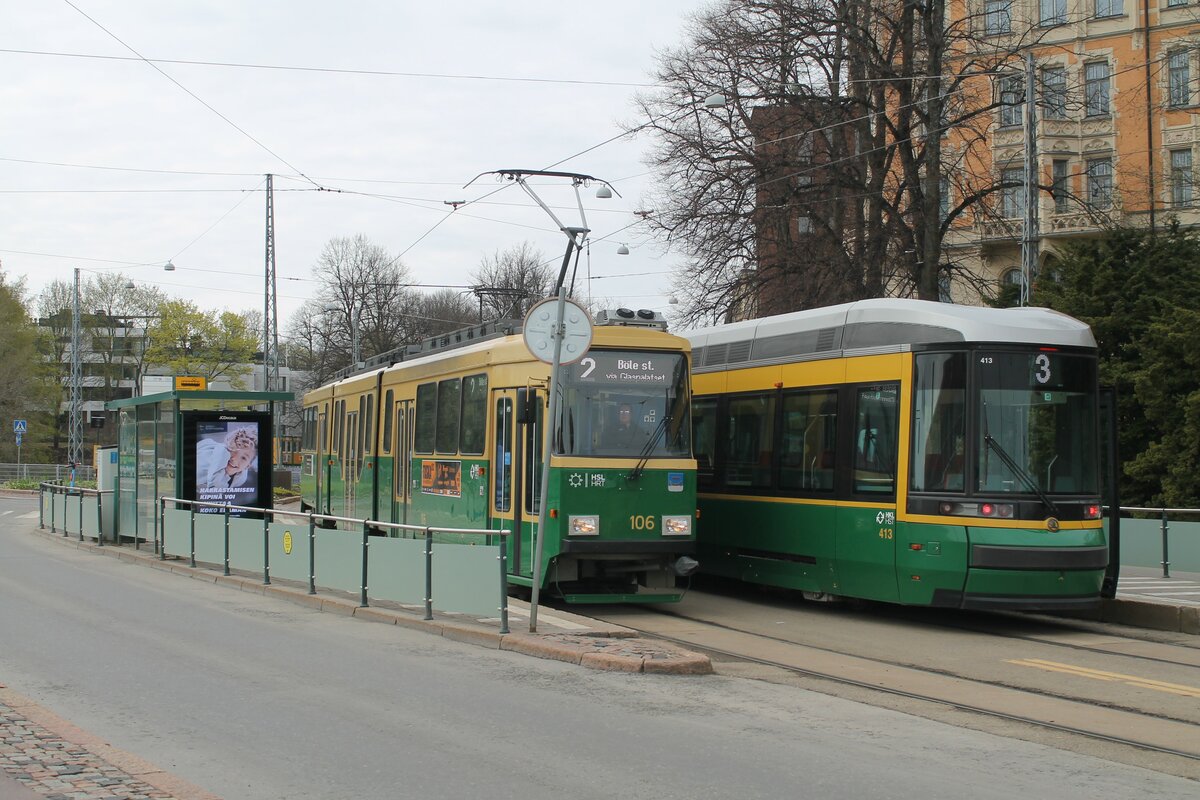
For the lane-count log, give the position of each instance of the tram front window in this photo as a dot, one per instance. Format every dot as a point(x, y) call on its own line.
point(625, 403)
point(1037, 423)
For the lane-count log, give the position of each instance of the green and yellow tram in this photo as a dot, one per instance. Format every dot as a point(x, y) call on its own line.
point(451, 433)
point(903, 451)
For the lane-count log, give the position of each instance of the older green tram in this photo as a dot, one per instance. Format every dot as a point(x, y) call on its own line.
point(903, 451)
point(451, 433)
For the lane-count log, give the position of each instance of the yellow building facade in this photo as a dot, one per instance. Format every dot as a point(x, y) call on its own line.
point(1118, 126)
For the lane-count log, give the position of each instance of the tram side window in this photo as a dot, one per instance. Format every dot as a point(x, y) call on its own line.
point(809, 441)
point(426, 418)
point(533, 457)
point(370, 425)
point(877, 412)
point(750, 443)
point(449, 404)
point(502, 471)
point(704, 439)
point(387, 421)
point(474, 414)
point(939, 422)
point(363, 424)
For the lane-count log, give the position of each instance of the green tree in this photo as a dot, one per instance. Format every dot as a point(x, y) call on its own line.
point(214, 345)
point(26, 392)
point(1140, 292)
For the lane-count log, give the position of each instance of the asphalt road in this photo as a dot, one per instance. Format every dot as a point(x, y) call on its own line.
point(250, 697)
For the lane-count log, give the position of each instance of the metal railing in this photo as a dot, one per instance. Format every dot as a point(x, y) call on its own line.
point(364, 525)
point(44, 472)
point(1164, 527)
point(71, 491)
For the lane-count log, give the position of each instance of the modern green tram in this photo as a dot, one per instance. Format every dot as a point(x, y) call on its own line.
point(903, 451)
point(451, 433)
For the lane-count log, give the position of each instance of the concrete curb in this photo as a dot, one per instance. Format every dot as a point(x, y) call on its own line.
point(611, 649)
point(1156, 616)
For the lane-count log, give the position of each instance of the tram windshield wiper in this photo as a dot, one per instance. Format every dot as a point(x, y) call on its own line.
point(1020, 472)
point(648, 448)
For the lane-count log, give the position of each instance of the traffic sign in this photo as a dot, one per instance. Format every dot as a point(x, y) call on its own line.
point(19, 426)
point(18, 440)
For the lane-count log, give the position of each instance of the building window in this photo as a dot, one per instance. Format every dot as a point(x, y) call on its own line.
point(1012, 277)
point(1012, 96)
point(1012, 193)
point(1110, 8)
point(1054, 92)
point(1176, 3)
point(944, 197)
point(1053, 12)
point(997, 16)
point(1100, 182)
point(1061, 189)
point(804, 225)
point(1178, 78)
point(1096, 89)
point(1181, 178)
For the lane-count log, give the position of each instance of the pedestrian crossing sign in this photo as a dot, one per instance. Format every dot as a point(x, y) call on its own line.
point(19, 426)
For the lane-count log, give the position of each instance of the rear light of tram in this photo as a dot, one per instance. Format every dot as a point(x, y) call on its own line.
point(1091, 511)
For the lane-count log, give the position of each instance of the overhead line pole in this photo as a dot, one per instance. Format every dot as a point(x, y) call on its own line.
point(270, 304)
point(1029, 239)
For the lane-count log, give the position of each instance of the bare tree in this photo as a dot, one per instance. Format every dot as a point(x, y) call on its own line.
point(370, 295)
point(820, 177)
point(509, 282)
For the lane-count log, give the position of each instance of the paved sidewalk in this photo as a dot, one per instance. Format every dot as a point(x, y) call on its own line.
point(44, 757)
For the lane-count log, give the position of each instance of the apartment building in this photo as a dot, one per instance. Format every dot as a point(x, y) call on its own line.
point(1118, 121)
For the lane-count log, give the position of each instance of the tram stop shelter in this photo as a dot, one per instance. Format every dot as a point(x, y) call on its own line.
point(179, 443)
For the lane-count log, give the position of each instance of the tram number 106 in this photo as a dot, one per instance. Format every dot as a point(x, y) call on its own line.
point(641, 523)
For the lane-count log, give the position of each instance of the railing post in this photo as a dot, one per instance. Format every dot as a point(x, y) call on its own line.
point(266, 549)
point(191, 537)
point(504, 581)
point(161, 547)
point(99, 519)
point(1166, 562)
point(362, 600)
point(312, 554)
point(52, 528)
point(81, 515)
point(42, 506)
point(429, 573)
point(66, 514)
point(227, 538)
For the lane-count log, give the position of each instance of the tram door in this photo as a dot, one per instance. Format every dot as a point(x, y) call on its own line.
point(350, 467)
point(321, 468)
point(402, 471)
point(516, 470)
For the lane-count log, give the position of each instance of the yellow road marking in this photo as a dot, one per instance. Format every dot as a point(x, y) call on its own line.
point(1100, 675)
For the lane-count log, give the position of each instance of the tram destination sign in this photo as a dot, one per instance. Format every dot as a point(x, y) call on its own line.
point(631, 369)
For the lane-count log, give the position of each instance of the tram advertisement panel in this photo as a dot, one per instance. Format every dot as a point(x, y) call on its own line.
point(441, 477)
point(227, 458)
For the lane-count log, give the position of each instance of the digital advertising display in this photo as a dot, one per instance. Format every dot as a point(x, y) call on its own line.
point(227, 458)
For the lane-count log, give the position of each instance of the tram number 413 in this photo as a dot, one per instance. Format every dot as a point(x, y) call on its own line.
point(641, 523)
point(887, 533)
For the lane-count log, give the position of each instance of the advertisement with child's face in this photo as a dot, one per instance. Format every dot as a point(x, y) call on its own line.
point(228, 460)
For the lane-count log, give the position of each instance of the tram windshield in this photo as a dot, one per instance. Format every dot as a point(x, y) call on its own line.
point(627, 403)
point(1036, 423)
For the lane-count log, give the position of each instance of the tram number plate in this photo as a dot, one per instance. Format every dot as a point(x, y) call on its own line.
point(641, 522)
point(887, 533)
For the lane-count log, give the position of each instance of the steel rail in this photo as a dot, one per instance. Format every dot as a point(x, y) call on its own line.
point(1193, 756)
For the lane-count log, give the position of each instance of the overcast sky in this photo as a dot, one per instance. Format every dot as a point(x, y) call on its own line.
point(107, 164)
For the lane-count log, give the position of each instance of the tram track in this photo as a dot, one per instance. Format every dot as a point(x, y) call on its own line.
point(1112, 723)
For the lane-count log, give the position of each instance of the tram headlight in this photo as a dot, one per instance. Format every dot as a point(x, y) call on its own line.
point(583, 526)
point(677, 526)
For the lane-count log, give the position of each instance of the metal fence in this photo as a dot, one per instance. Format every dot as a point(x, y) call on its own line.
point(44, 472)
point(73, 506)
point(464, 577)
point(1155, 539)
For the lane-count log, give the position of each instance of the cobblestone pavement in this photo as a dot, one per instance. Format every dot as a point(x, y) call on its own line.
point(43, 756)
